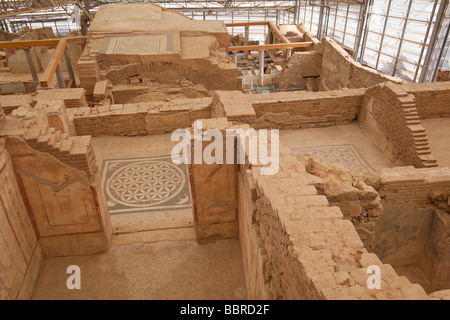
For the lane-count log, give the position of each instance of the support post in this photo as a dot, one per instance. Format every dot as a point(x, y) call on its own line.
point(247, 34)
point(288, 53)
point(31, 66)
point(261, 66)
point(401, 38)
point(60, 77)
point(69, 65)
point(436, 29)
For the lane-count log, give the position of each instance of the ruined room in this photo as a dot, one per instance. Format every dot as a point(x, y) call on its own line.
point(355, 96)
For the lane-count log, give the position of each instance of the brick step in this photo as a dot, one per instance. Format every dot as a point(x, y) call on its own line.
point(80, 145)
point(57, 143)
point(430, 165)
point(412, 116)
point(54, 137)
point(407, 100)
point(422, 147)
point(419, 135)
point(423, 151)
point(66, 145)
point(410, 122)
point(427, 159)
point(409, 104)
point(32, 135)
point(416, 128)
point(409, 109)
point(420, 143)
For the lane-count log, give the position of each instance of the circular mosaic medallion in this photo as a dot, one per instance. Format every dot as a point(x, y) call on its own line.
point(145, 183)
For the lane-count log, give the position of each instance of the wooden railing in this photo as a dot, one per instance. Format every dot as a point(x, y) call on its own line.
point(49, 72)
point(285, 41)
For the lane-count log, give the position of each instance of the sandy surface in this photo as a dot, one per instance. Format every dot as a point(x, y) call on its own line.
point(163, 270)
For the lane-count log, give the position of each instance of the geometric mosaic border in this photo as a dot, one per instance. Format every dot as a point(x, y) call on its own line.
point(145, 185)
point(344, 155)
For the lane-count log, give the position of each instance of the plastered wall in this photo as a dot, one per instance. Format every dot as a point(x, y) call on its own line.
point(20, 251)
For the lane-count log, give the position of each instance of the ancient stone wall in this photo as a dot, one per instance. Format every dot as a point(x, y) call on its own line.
point(422, 203)
point(300, 66)
point(62, 191)
point(2, 115)
point(432, 99)
point(72, 97)
point(58, 180)
point(296, 246)
point(20, 252)
point(390, 119)
point(233, 105)
point(339, 70)
point(292, 110)
point(140, 118)
point(420, 186)
point(214, 189)
point(11, 102)
point(214, 73)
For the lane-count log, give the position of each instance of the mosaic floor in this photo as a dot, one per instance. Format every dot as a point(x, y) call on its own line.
point(346, 156)
point(145, 185)
point(144, 45)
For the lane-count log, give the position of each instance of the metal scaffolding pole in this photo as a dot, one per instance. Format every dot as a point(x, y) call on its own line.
point(361, 39)
point(422, 50)
point(384, 32)
point(60, 77)
point(434, 36)
point(69, 65)
point(402, 37)
point(31, 66)
point(261, 67)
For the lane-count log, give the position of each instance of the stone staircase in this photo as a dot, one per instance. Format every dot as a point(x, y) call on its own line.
point(75, 151)
point(418, 132)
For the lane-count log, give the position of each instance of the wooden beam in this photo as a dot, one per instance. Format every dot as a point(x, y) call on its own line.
point(260, 23)
point(31, 43)
point(247, 24)
point(54, 62)
point(278, 32)
point(272, 46)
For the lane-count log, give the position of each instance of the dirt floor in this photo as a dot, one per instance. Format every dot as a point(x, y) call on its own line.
point(163, 270)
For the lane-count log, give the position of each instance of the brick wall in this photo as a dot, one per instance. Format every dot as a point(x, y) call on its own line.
point(339, 70)
point(295, 246)
point(72, 97)
point(300, 65)
point(2, 115)
point(11, 102)
point(432, 99)
point(306, 109)
point(214, 75)
point(426, 188)
point(76, 152)
point(233, 105)
point(419, 186)
point(140, 118)
point(389, 117)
